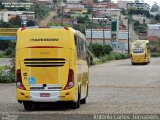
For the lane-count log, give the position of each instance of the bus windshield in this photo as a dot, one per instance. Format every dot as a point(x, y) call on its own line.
point(138, 47)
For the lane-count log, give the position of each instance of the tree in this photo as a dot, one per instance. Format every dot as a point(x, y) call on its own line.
point(95, 1)
point(123, 11)
point(83, 19)
point(2, 6)
point(106, 0)
point(40, 10)
point(31, 23)
point(5, 24)
point(138, 12)
point(157, 17)
point(155, 7)
point(89, 10)
point(16, 21)
point(136, 23)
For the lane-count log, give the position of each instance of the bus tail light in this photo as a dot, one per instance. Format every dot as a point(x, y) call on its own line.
point(66, 28)
point(70, 82)
point(131, 56)
point(145, 55)
point(19, 80)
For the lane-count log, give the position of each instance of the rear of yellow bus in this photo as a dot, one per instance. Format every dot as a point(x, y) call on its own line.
point(139, 53)
point(46, 66)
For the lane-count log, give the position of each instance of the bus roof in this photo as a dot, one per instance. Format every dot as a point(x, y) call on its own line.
point(146, 41)
point(56, 27)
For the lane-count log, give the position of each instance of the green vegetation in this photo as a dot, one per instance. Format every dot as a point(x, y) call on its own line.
point(2, 55)
point(99, 50)
point(138, 28)
point(132, 11)
point(155, 49)
point(40, 10)
point(103, 53)
point(123, 11)
point(3, 68)
point(155, 7)
point(13, 23)
point(7, 73)
point(83, 19)
point(7, 77)
point(110, 57)
point(155, 54)
point(7, 49)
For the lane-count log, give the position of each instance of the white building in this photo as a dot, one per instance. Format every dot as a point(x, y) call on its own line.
point(24, 15)
point(98, 37)
point(123, 3)
point(141, 19)
point(73, 1)
point(138, 5)
point(107, 12)
point(154, 13)
point(74, 6)
point(153, 30)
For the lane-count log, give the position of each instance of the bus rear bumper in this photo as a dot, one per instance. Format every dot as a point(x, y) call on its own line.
point(136, 61)
point(46, 96)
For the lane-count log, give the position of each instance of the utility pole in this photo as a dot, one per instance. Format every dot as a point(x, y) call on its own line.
point(128, 36)
point(92, 25)
point(103, 34)
point(62, 7)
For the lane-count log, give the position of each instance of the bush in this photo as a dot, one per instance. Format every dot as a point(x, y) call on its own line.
point(109, 57)
point(7, 77)
point(10, 51)
point(155, 54)
point(100, 50)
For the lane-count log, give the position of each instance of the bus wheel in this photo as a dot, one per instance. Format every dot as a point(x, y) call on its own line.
point(28, 105)
point(83, 101)
point(76, 104)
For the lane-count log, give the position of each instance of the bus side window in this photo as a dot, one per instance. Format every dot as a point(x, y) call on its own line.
point(75, 40)
point(84, 49)
point(77, 46)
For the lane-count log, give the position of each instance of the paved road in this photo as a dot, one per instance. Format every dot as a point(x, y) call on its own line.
point(48, 19)
point(4, 61)
point(133, 35)
point(116, 87)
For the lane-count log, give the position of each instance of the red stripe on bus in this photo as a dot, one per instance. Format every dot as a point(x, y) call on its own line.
point(44, 47)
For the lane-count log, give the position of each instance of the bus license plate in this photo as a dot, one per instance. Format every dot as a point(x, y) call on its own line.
point(44, 94)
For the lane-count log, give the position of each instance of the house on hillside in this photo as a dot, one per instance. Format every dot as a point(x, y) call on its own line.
point(153, 33)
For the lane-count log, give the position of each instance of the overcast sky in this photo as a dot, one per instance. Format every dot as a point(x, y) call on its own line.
point(150, 2)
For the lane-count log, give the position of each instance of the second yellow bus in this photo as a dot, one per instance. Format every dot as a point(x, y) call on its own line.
point(139, 52)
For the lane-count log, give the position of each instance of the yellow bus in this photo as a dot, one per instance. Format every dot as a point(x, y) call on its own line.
point(139, 52)
point(51, 66)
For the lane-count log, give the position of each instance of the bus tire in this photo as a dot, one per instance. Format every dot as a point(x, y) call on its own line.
point(76, 104)
point(28, 105)
point(83, 101)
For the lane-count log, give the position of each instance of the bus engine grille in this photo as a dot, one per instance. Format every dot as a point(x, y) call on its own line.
point(44, 62)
